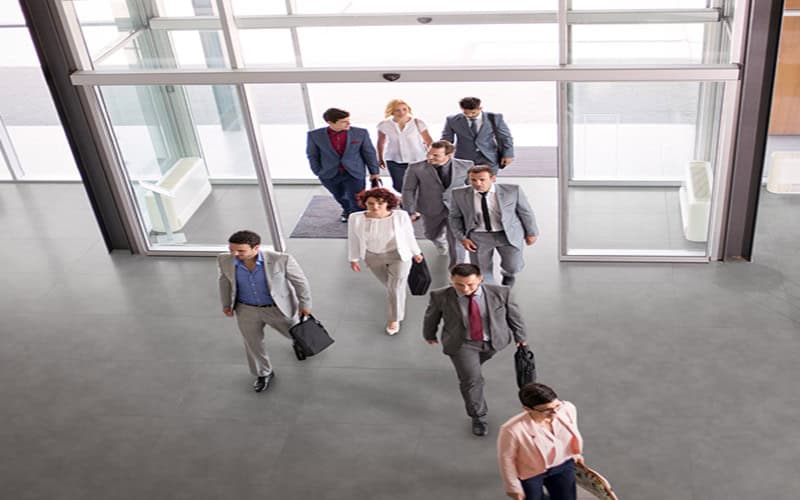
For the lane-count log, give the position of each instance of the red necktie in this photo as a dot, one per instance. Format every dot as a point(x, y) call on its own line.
point(475, 323)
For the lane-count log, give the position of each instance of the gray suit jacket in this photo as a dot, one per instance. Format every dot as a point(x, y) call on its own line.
point(287, 284)
point(423, 191)
point(518, 218)
point(505, 320)
point(456, 130)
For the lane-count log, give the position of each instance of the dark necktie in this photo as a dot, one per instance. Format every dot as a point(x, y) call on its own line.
point(487, 222)
point(475, 323)
point(440, 172)
point(473, 125)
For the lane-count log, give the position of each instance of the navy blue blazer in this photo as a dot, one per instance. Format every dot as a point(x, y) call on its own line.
point(358, 155)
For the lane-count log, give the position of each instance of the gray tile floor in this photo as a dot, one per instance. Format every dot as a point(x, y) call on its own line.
point(121, 380)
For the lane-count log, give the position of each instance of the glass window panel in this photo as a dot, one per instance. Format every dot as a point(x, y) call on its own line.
point(637, 4)
point(186, 8)
point(258, 8)
point(279, 41)
point(399, 46)
point(11, 13)
point(638, 132)
point(281, 116)
point(392, 6)
point(26, 109)
point(5, 172)
point(174, 141)
point(164, 50)
point(103, 23)
point(634, 43)
point(528, 108)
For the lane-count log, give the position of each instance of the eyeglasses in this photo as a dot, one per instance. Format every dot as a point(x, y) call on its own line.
point(549, 411)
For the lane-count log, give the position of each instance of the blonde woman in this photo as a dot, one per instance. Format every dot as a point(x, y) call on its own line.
point(402, 139)
point(384, 238)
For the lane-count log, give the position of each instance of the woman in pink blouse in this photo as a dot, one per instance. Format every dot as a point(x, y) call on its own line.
point(539, 447)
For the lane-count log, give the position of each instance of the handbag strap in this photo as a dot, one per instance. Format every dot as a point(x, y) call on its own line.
point(491, 117)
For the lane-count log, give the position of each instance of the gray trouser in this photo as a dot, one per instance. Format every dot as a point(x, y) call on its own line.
point(251, 321)
point(467, 362)
point(510, 256)
point(437, 229)
point(393, 274)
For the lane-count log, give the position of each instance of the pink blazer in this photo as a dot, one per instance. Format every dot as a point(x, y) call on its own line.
point(518, 453)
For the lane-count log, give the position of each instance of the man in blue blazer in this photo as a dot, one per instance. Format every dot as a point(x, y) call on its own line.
point(338, 155)
point(480, 137)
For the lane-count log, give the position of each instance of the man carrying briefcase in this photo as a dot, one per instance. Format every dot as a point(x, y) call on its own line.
point(261, 287)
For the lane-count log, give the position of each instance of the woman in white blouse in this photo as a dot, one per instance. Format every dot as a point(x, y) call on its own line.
point(402, 139)
point(384, 238)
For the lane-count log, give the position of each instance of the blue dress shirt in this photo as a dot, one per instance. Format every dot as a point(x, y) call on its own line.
point(252, 287)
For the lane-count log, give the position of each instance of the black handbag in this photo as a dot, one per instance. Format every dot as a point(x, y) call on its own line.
point(310, 337)
point(375, 183)
point(419, 278)
point(525, 366)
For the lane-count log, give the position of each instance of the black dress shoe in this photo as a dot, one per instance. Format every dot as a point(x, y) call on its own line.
point(262, 383)
point(480, 427)
point(343, 216)
point(508, 281)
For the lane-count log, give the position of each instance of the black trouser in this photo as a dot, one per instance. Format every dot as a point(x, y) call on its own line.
point(559, 480)
point(397, 171)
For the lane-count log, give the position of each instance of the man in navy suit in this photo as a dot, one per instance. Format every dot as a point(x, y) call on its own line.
point(480, 137)
point(340, 155)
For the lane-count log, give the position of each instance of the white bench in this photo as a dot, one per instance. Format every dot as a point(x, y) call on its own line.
point(784, 172)
point(173, 200)
point(695, 200)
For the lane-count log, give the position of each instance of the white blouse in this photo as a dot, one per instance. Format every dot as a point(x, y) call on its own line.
point(404, 146)
point(379, 234)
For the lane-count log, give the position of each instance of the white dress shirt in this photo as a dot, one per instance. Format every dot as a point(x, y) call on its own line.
point(478, 120)
point(406, 145)
point(495, 215)
point(379, 234)
point(400, 230)
point(463, 304)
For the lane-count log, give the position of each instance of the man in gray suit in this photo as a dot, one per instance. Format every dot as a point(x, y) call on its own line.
point(486, 217)
point(481, 137)
point(426, 192)
point(479, 320)
point(261, 287)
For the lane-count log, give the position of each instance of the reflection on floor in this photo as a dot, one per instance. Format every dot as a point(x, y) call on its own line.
point(122, 379)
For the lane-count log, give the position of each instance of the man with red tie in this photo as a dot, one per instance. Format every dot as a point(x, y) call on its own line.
point(479, 320)
point(341, 156)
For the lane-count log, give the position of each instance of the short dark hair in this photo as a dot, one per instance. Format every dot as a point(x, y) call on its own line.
point(333, 115)
point(465, 270)
point(534, 394)
point(470, 103)
point(381, 194)
point(245, 237)
point(447, 145)
point(479, 169)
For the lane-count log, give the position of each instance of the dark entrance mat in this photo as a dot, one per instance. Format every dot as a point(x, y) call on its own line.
point(321, 220)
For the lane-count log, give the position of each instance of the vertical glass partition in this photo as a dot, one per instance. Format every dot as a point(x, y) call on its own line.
point(173, 143)
point(641, 183)
point(638, 121)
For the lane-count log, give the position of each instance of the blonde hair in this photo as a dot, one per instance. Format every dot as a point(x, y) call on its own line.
point(393, 104)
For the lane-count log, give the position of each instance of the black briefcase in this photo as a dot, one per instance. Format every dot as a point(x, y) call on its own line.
point(419, 279)
point(525, 366)
point(310, 337)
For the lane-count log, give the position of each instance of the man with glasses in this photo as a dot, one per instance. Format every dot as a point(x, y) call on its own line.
point(479, 320)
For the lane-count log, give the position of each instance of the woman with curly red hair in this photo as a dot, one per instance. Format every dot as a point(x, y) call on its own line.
point(384, 239)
